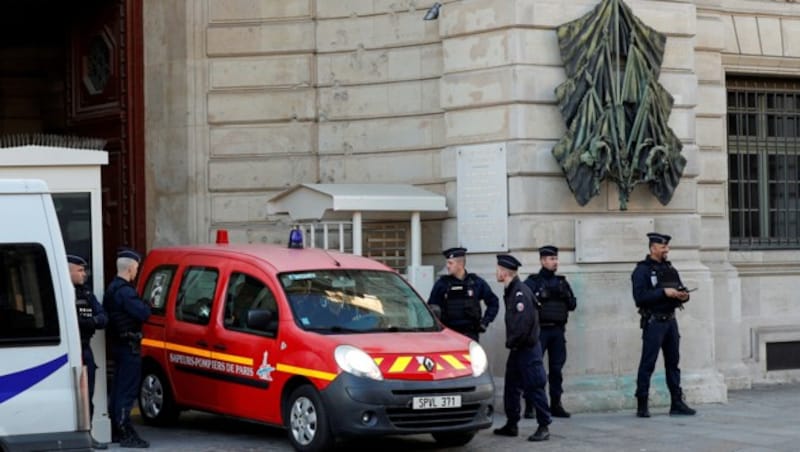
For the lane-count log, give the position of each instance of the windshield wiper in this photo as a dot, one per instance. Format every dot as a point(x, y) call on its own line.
point(398, 329)
point(333, 329)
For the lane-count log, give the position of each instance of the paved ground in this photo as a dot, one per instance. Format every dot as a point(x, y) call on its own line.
point(762, 419)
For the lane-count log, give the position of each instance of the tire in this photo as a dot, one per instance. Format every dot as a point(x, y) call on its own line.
point(453, 439)
point(307, 421)
point(156, 403)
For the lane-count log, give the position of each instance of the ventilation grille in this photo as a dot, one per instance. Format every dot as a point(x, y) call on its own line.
point(783, 355)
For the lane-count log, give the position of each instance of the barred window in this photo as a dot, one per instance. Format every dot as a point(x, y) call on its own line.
point(387, 243)
point(763, 162)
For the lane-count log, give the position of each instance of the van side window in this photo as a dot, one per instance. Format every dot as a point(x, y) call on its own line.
point(196, 295)
point(157, 288)
point(28, 312)
point(245, 293)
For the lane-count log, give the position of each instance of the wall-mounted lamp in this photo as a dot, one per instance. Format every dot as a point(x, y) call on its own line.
point(433, 12)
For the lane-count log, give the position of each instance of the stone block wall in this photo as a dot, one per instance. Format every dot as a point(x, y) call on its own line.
point(245, 98)
point(752, 38)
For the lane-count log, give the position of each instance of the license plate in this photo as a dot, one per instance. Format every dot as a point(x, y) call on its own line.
point(437, 402)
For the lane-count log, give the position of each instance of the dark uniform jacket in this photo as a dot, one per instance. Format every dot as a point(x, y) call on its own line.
point(649, 279)
point(126, 311)
point(554, 296)
point(460, 301)
point(91, 315)
point(522, 320)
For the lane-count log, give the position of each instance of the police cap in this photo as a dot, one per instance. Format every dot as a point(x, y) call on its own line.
point(508, 261)
point(548, 250)
point(129, 253)
point(655, 237)
point(454, 252)
point(77, 260)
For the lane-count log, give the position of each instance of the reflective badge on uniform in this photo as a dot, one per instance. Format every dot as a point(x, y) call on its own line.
point(470, 293)
point(653, 279)
point(520, 307)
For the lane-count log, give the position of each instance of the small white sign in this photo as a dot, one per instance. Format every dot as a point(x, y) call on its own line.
point(482, 191)
point(602, 240)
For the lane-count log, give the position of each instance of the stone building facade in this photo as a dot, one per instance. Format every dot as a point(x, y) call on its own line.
point(245, 98)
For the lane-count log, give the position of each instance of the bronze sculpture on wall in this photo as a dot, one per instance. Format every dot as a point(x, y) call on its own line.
point(615, 110)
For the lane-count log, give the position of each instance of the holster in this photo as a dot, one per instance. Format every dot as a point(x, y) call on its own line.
point(133, 340)
point(644, 317)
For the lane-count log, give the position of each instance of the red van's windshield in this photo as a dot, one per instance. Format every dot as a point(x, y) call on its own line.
point(355, 301)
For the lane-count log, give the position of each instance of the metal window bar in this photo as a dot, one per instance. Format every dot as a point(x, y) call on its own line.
point(328, 235)
point(388, 243)
point(763, 156)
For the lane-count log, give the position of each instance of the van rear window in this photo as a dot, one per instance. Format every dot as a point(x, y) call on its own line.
point(28, 313)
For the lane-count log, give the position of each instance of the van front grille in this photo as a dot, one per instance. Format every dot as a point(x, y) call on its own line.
point(407, 418)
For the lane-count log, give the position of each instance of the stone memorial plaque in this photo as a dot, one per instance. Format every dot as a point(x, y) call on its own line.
point(482, 191)
point(600, 240)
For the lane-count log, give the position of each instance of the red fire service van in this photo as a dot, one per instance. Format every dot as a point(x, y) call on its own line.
point(328, 345)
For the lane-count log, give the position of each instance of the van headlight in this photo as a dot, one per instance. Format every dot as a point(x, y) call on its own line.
point(478, 359)
point(355, 361)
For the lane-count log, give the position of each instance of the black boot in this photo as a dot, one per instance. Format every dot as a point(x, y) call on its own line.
point(641, 407)
point(528, 414)
point(507, 430)
point(680, 408)
point(129, 438)
point(115, 433)
point(542, 434)
point(556, 409)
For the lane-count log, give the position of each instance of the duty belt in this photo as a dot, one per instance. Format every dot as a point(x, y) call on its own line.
point(131, 336)
point(663, 317)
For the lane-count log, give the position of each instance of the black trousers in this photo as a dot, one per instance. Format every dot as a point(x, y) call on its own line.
point(525, 374)
point(660, 335)
point(125, 389)
point(91, 371)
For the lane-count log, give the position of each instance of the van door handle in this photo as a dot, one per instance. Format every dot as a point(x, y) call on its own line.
point(220, 347)
point(202, 343)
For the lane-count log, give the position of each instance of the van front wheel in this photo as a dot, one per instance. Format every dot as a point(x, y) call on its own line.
point(156, 403)
point(307, 421)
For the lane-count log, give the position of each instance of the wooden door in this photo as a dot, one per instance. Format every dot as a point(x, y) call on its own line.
point(104, 98)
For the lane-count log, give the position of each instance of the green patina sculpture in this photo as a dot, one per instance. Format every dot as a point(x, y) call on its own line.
point(614, 108)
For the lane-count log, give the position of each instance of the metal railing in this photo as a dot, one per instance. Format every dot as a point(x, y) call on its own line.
point(385, 242)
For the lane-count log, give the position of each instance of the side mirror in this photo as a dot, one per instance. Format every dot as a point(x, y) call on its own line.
point(437, 310)
point(259, 319)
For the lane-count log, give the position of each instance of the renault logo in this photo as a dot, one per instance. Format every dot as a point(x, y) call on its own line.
point(429, 364)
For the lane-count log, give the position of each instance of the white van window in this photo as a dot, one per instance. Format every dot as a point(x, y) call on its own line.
point(28, 313)
point(196, 295)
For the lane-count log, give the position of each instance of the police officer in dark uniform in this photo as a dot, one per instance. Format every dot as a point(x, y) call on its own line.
point(91, 317)
point(524, 367)
point(459, 295)
point(658, 290)
point(556, 300)
point(126, 313)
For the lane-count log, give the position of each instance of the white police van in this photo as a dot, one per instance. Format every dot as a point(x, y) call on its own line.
point(43, 391)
